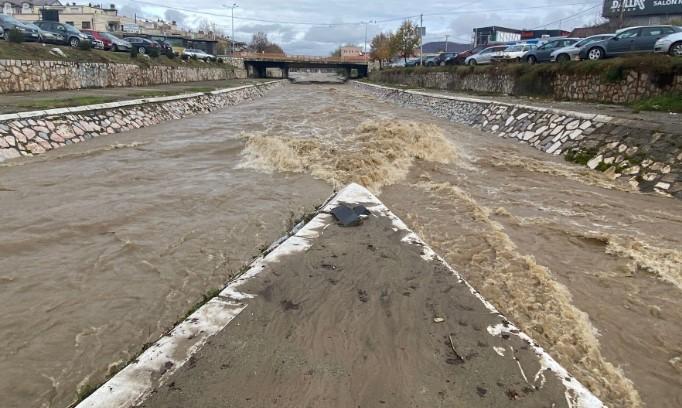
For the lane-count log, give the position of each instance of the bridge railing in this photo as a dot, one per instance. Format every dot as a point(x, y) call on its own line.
point(301, 58)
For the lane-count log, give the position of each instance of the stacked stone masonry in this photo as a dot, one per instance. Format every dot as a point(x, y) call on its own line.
point(28, 75)
point(31, 133)
point(649, 159)
point(590, 88)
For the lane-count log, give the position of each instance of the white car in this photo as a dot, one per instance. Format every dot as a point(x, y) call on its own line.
point(671, 44)
point(485, 56)
point(514, 52)
point(571, 52)
point(199, 54)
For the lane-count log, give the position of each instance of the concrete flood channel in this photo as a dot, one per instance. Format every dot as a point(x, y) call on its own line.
point(106, 244)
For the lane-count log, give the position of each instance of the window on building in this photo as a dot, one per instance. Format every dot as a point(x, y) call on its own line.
point(86, 25)
point(7, 9)
point(70, 23)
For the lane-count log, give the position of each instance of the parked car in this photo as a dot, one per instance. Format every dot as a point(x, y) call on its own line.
point(513, 53)
point(166, 47)
point(571, 52)
point(412, 62)
point(627, 41)
point(399, 63)
point(97, 36)
point(672, 44)
point(199, 54)
point(143, 45)
point(459, 58)
point(95, 43)
point(430, 61)
point(63, 33)
point(117, 44)
point(543, 53)
point(10, 23)
point(441, 58)
point(485, 56)
point(43, 36)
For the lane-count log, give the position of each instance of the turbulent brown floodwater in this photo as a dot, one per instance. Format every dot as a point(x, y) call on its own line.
point(105, 244)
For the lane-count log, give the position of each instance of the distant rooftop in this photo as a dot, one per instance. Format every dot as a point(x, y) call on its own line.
point(439, 46)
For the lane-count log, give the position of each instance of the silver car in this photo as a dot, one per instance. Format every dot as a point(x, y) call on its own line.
point(485, 56)
point(571, 52)
point(671, 44)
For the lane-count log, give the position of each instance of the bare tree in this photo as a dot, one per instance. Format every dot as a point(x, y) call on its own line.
point(406, 39)
point(382, 48)
point(259, 42)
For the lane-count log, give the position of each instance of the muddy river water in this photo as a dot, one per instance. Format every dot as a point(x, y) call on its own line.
point(104, 245)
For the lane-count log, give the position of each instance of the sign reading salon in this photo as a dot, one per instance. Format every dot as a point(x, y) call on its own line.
point(612, 8)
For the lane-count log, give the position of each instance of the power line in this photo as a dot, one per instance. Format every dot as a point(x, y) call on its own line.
point(376, 21)
point(572, 16)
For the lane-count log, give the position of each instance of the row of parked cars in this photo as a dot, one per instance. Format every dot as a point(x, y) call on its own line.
point(632, 40)
point(53, 32)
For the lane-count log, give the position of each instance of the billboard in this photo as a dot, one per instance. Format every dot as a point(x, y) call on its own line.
point(629, 8)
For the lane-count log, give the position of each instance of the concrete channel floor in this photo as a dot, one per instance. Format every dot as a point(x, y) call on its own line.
point(30, 101)
point(367, 316)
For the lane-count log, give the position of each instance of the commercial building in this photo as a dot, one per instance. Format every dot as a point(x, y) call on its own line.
point(530, 34)
point(495, 34)
point(350, 51)
point(642, 12)
point(82, 16)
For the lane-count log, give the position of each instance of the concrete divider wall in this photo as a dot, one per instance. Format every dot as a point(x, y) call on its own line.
point(31, 133)
point(29, 75)
point(649, 159)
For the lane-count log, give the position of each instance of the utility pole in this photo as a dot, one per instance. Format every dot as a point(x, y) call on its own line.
point(446, 42)
point(364, 50)
point(234, 6)
point(421, 40)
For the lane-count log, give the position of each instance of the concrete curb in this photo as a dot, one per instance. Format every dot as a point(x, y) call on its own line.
point(136, 381)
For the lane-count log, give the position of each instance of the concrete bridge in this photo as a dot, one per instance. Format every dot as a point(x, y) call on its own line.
point(263, 65)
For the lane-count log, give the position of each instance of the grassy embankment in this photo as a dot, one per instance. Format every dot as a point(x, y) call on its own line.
point(536, 80)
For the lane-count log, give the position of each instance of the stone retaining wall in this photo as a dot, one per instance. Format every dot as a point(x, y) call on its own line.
point(649, 159)
point(592, 88)
point(28, 75)
point(31, 133)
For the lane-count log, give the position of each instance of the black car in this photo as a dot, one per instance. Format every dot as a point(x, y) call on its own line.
point(143, 45)
point(458, 58)
point(544, 52)
point(628, 41)
point(8, 23)
point(63, 33)
point(441, 58)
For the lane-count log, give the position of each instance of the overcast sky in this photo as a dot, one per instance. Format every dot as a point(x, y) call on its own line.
point(332, 23)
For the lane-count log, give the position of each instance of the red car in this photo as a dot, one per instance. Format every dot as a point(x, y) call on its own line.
point(98, 36)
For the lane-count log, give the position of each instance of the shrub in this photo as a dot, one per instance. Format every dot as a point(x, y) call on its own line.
point(85, 45)
point(170, 54)
point(194, 57)
point(134, 52)
point(220, 61)
point(184, 57)
point(153, 52)
point(15, 36)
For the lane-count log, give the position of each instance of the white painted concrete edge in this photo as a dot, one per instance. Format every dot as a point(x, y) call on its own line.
point(120, 104)
point(578, 115)
point(154, 366)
